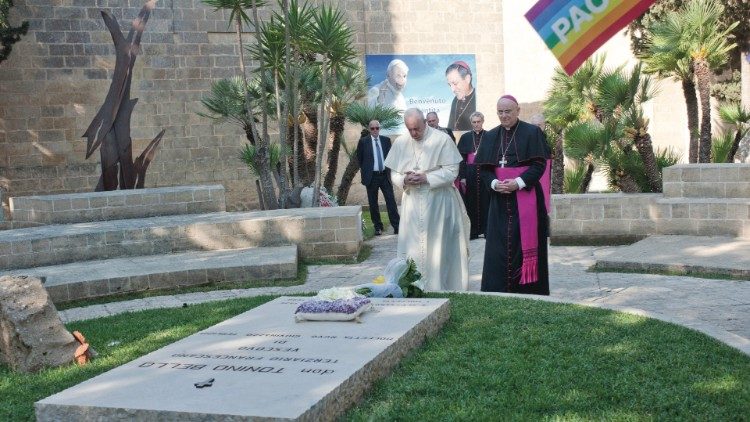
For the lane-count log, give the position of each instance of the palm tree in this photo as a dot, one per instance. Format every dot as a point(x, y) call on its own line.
point(621, 96)
point(570, 100)
point(665, 61)
point(238, 16)
point(735, 114)
point(586, 142)
point(350, 85)
point(333, 40)
point(388, 117)
point(705, 42)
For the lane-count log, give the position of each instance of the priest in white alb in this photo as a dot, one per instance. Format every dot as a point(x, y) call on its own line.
point(434, 227)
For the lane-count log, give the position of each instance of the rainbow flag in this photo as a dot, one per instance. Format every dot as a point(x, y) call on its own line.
point(575, 29)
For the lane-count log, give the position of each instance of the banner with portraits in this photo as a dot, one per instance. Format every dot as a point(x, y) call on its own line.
point(442, 83)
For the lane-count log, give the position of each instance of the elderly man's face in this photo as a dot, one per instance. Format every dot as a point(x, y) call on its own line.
point(415, 126)
point(433, 120)
point(397, 77)
point(476, 123)
point(507, 111)
point(461, 87)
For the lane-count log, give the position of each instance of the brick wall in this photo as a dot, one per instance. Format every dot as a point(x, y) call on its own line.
point(57, 77)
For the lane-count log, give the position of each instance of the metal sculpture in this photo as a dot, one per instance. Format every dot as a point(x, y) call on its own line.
point(110, 128)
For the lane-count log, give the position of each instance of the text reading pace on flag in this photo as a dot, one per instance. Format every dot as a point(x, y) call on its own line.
point(574, 29)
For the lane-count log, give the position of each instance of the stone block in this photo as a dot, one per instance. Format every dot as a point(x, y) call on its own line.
point(32, 336)
point(717, 211)
point(688, 226)
point(642, 227)
point(612, 211)
point(259, 365)
point(691, 174)
point(672, 174)
point(719, 228)
point(680, 210)
point(699, 210)
point(672, 190)
point(738, 190)
point(715, 175)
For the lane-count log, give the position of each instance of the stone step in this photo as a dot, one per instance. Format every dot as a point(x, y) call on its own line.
point(89, 279)
point(707, 181)
point(702, 216)
point(116, 205)
point(690, 255)
point(319, 233)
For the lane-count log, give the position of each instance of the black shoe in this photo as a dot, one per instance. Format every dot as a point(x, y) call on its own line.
point(395, 230)
point(378, 232)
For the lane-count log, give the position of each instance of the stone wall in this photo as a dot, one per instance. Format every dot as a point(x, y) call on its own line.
point(57, 76)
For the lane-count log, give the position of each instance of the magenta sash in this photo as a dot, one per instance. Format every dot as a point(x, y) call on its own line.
point(457, 183)
point(528, 221)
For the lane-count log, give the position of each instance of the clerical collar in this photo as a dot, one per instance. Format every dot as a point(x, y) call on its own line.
point(514, 125)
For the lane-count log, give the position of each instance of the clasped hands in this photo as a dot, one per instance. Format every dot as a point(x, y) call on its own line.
point(414, 179)
point(506, 186)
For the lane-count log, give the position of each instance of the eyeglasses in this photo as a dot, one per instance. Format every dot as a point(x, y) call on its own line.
point(375, 128)
point(508, 112)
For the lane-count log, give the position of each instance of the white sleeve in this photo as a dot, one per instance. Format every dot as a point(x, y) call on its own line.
point(442, 176)
point(520, 182)
point(397, 178)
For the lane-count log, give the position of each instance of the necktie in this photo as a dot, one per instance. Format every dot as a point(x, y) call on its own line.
point(379, 163)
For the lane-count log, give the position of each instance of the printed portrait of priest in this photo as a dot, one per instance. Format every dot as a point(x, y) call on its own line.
point(459, 78)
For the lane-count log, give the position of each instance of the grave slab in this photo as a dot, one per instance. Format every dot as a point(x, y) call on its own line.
point(260, 365)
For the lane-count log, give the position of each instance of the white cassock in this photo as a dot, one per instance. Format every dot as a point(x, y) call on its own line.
point(434, 227)
point(387, 95)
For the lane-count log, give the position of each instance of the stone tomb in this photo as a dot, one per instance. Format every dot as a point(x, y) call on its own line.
point(260, 365)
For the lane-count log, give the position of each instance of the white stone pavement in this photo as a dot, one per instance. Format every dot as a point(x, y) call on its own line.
point(719, 308)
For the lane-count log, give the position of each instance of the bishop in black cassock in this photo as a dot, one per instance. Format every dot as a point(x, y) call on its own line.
point(513, 144)
point(476, 197)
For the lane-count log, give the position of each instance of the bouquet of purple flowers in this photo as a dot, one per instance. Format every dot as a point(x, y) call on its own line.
point(335, 304)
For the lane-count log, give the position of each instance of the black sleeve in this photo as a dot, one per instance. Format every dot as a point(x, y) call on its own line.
point(531, 176)
point(487, 174)
point(462, 166)
point(537, 162)
point(360, 157)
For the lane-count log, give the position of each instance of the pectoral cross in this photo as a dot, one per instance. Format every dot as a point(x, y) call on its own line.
point(502, 162)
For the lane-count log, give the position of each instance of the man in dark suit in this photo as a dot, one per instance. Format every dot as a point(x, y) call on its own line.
point(371, 153)
point(433, 121)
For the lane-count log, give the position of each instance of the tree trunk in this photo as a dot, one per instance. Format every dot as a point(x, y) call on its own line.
point(691, 102)
point(587, 178)
point(735, 145)
point(309, 145)
point(558, 165)
point(626, 183)
point(703, 75)
point(646, 150)
point(322, 133)
point(337, 132)
point(347, 179)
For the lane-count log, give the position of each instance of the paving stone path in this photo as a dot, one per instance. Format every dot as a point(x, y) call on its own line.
point(719, 308)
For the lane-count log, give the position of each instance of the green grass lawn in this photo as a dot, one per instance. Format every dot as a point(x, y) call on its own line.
point(496, 359)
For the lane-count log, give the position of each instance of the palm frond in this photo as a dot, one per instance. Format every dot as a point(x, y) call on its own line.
point(225, 102)
point(573, 178)
point(720, 147)
point(389, 117)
